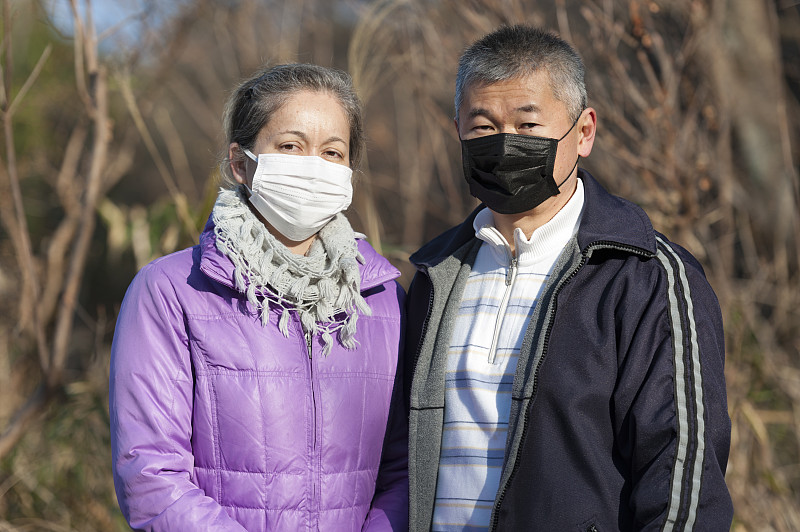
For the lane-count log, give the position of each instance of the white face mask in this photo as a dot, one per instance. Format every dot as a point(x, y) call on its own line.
point(299, 194)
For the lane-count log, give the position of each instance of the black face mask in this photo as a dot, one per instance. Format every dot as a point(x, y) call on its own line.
point(511, 173)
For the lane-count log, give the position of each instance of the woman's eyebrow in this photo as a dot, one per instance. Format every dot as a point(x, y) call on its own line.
point(303, 136)
point(292, 132)
point(335, 139)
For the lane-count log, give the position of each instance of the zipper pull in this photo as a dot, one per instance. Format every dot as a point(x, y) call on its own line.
point(309, 343)
point(510, 273)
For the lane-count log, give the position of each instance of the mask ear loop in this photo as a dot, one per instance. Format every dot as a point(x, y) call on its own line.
point(579, 157)
point(570, 127)
point(243, 189)
point(570, 172)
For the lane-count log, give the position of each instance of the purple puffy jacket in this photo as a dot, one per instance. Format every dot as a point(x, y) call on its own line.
point(218, 423)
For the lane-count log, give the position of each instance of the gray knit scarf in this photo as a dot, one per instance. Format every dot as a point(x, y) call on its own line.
point(323, 286)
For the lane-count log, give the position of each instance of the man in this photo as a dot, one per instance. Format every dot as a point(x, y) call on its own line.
point(566, 359)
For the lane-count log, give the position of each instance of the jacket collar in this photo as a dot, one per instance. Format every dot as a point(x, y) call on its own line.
point(607, 219)
point(611, 219)
point(375, 271)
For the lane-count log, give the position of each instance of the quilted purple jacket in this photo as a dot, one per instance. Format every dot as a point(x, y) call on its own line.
point(218, 423)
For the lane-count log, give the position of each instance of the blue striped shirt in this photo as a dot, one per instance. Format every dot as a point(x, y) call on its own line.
point(498, 300)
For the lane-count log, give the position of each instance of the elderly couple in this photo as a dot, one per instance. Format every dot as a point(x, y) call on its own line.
point(557, 364)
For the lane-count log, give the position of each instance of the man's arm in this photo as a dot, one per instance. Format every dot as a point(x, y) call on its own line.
point(671, 395)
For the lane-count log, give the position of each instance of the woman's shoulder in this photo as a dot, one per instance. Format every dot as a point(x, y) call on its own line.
point(376, 269)
point(379, 285)
point(168, 273)
point(178, 263)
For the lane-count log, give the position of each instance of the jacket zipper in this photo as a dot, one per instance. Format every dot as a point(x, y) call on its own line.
point(314, 468)
point(511, 276)
point(584, 257)
point(424, 323)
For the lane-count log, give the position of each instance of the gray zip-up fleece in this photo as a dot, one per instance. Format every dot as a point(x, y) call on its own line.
point(619, 415)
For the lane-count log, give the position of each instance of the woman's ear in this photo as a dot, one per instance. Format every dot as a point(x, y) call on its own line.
point(238, 163)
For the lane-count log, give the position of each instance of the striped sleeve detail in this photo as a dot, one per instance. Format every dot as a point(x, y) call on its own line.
point(688, 467)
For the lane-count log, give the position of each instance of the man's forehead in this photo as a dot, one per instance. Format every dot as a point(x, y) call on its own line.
point(478, 110)
point(532, 78)
point(531, 91)
point(522, 86)
point(534, 83)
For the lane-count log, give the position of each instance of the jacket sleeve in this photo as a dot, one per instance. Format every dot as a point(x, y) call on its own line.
point(671, 397)
point(151, 414)
point(389, 509)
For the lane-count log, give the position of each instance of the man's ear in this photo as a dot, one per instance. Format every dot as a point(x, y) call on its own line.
point(238, 164)
point(587, 127)
point(455, 123)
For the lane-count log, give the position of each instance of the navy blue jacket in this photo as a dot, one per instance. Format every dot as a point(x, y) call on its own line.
point(619, 415)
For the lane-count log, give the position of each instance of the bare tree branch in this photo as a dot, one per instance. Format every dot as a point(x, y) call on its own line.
point(29, 81)
point(22, 419)
point(66, 313)
point(7, 70)
point(177, 196)
point(18, 229)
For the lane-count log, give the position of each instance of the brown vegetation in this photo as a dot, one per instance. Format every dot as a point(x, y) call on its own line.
point(108, 160)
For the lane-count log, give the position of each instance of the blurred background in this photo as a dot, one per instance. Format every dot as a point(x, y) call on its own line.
point(111, 133)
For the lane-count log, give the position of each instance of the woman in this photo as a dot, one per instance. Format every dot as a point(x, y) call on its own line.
point(252, 375)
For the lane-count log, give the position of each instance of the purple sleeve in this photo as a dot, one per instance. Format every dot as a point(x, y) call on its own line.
point(150, 406)
point(389, 509)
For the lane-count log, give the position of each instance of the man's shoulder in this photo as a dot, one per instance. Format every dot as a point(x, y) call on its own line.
point(447, 243)
point(681, 260)
point(610, 218)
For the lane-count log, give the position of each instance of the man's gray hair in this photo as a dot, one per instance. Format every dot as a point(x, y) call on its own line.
point(512, 52)
point(254, 101)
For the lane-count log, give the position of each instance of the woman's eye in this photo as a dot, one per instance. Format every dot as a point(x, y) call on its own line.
point(332, 154)
point(289, 147)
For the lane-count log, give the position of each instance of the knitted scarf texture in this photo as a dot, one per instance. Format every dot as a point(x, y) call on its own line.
point(323, 286)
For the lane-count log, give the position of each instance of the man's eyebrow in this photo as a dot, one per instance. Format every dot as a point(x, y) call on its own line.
point(530, 108)
point(479, 111)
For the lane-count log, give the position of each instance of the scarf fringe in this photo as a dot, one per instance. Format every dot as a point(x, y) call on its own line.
point(319, 286)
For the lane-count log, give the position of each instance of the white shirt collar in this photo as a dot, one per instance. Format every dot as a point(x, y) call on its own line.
point(545, 243)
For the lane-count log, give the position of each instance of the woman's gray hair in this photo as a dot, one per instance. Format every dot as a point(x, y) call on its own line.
point(255, 100)
point(512, 52)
